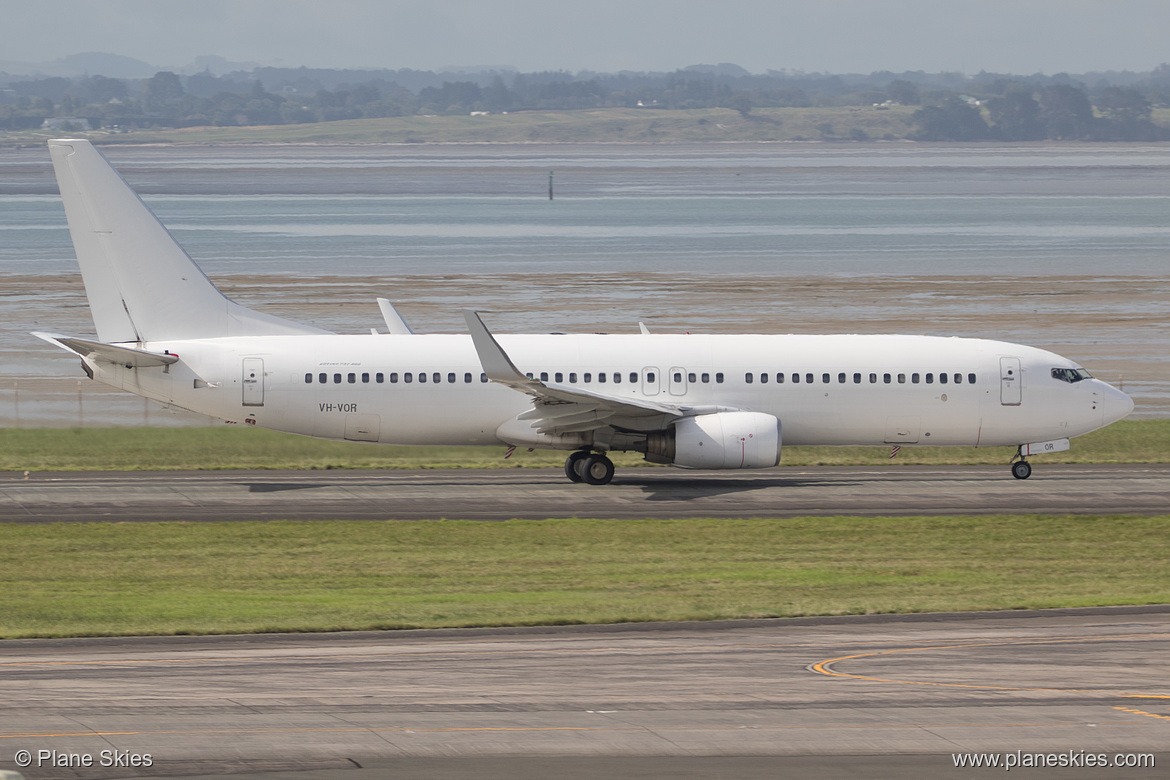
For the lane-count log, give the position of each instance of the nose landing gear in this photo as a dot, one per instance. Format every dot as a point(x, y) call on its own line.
point(589, 467)
point(1021, 469)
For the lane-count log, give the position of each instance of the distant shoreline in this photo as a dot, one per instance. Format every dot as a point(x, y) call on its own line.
point(586, 126)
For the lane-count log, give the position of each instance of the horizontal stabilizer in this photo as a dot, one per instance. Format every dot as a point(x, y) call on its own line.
point(109, 353)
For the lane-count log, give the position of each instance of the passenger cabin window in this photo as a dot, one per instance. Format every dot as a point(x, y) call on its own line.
point(366, 378)
point(617, 377)
point(600, 376)
point(337, 379)
point(763, 378)
point(422, 377)
point(483, 378)
point(719, 378)
point(322, 378)
point(559, 377)
point(573, 377)
point(351, 378)
point(451, 378)
point(587, 377)
point(379, 377)
point(873, 379)
point(633, 377)
point(808, 378)
point(467, 378)
point(825, 378)
point(393, 377)
point(308, 379)
point(914, 378)
point(970, 379)
point(407, 377)
point(706, 378)
point(779, 378)
point(691, 378)
point(796, 379)
point(901, 379)
point(841, 378)
point(857, 378)
point(886, 378)
point(747, 378)
point(543, 376)
point(677, 376)
point(930, 379)
point(942, 378)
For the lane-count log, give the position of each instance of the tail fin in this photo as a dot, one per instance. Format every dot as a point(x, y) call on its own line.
point(141, 285)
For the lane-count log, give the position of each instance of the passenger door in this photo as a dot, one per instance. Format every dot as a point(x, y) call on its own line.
point(1010, 381)
point(253, 382)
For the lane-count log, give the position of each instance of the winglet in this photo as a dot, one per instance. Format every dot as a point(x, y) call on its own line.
point(394, 321)
point(496, 364)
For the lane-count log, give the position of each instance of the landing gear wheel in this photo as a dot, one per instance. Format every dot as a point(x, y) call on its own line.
point(596, 470)
point(1021, 469)
point(571, 464)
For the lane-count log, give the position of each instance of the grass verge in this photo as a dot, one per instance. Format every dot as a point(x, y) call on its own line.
point(101, 449)
point(65, 579)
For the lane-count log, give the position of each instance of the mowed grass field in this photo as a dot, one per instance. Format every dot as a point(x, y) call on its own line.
point(76, 579)
point(66, 579)
point(100, 449)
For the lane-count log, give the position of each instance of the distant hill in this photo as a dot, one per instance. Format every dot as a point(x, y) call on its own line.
point(113, 66)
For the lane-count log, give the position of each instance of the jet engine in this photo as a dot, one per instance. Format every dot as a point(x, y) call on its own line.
point(725, 440)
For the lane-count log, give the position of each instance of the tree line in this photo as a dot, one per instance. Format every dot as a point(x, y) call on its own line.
point(951, 107)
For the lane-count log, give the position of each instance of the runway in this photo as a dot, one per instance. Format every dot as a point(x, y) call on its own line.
point(884, 696)
point(501, 494)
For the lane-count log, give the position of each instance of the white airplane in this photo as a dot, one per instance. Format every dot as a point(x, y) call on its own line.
point(709, 402)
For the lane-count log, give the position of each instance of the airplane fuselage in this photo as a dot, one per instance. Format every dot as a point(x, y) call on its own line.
point(831, 390)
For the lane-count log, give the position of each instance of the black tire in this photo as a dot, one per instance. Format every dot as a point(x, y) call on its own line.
point(572, 463)
point(1021, 469)
point(597, 470)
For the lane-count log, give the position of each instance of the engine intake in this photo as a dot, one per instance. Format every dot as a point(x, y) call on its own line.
point(726, 440)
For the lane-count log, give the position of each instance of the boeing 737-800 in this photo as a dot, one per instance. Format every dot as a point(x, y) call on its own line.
point(710, 402)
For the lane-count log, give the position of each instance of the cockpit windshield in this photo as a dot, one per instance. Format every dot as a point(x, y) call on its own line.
point(1070, 375)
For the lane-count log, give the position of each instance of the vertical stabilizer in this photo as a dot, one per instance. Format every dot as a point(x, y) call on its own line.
point(141, 285)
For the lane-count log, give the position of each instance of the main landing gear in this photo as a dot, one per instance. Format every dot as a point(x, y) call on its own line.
point(1021, 469)
point(592, 468)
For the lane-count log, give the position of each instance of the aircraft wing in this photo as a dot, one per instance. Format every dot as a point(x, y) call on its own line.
point(558, 408)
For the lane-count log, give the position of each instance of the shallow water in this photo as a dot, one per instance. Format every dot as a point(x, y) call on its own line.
point(1057, 246)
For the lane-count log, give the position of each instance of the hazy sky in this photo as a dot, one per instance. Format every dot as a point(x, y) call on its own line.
point(1016, 36)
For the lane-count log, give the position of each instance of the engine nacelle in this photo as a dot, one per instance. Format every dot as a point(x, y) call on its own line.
point(726, 440)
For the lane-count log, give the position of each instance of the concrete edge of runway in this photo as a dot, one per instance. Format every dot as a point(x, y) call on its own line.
point(193, 641)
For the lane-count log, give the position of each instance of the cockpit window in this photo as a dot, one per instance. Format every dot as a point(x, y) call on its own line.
point(1070, 375)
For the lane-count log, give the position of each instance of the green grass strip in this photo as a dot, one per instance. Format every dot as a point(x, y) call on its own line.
point(96, 449)
point(74, 579)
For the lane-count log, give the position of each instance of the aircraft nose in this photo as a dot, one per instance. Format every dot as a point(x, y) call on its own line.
point(1115, 405)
